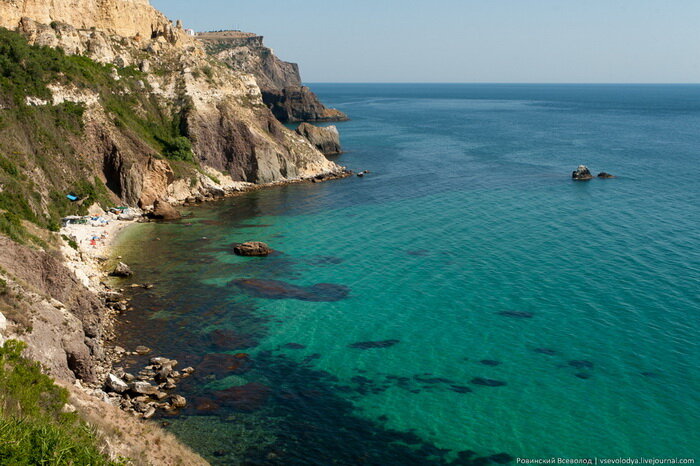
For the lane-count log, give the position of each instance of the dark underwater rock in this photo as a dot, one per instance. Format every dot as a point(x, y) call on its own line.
point(490, 362)
point(488, 382)
point(547, 351)
point(418, 252)
point(247, 398)
point(501, 458)
point(460, 389)
point(277, 289)
point(518, 314)
point(432, 380)
point(224, 363)
point(294, 346)
point(230, 339)
point(252, 249)
point(581, 364)
point(582, 173)
point(583, 375)
point(373, 344)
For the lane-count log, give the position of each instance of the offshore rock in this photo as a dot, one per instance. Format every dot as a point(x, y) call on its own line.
point(325, 139)
point(252, 249)
point(605, 175)
point(582, 173)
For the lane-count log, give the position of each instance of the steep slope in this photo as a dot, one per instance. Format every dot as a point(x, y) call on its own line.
point(279, 81)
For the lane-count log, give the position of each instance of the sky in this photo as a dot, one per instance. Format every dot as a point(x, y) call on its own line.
point(521, 41)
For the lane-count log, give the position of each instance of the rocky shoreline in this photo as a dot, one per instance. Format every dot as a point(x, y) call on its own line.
point(151, 388)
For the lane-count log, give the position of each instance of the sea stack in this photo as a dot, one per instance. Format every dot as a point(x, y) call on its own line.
point(582, 173)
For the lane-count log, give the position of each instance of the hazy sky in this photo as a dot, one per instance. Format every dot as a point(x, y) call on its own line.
point(467, 40)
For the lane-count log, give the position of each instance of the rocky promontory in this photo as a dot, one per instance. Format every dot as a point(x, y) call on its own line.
point(279, 81)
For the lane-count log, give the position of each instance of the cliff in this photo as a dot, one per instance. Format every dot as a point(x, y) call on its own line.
point(126, 18)
point(109, 101)
point(279, 81)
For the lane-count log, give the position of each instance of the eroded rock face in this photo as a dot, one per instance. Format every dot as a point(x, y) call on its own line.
point(326, 139)
point(582, 173)
point(252, 249)
point(126, 18)
point(61, 321)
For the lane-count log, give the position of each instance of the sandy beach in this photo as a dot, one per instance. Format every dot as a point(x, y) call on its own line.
point(94, 241)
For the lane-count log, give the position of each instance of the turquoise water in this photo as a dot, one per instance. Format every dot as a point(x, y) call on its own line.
point(521, 312)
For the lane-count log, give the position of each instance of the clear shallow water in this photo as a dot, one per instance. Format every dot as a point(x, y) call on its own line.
point(468, 212)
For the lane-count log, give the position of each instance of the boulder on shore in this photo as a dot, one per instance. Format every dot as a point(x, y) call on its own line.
point(605, 175)
point(252, 249)
point(164, 211)
point(122, 270)
point(582, 173)
point(115, 384)
point(326, 139)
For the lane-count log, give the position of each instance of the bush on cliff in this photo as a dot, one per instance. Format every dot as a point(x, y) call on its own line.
point(33, 427)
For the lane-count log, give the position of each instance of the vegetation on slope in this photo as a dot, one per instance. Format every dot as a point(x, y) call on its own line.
point(41, 145)
point(34, 429)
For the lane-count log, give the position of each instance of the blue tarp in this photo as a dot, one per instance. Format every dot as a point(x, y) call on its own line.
point(72, 197)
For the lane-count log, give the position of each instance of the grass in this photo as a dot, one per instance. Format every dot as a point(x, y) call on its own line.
point(33, 427)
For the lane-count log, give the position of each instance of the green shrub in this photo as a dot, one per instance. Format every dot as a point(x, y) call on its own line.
point(179, 148)
point(3, 287)
point(8, 166)
point(11, 226)
point(71, 242)
point(33, 428)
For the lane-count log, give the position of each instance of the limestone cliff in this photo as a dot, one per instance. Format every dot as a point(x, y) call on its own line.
point(126, 18)
point(279, 81)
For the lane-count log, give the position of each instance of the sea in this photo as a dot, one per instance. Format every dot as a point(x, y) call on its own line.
point(464, 302)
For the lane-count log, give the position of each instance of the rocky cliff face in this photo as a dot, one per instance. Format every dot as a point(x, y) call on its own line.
point(279, 81)
point(62, 322)
point(220, 111)
point(126, 18)
point(326, 139)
